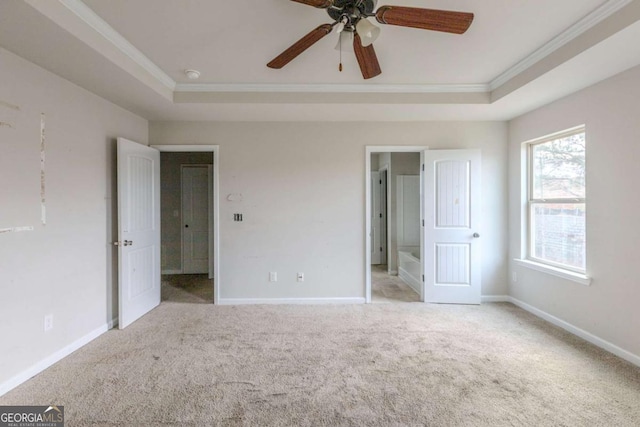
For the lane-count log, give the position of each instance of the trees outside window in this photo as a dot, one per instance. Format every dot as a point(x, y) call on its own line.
point(557, 200)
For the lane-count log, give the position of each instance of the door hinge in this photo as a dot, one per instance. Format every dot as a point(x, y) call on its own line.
point(423, 222)
point(380, 215)
point(423, 278)
point(380, 182)
point(380, 248)
point(423, 167)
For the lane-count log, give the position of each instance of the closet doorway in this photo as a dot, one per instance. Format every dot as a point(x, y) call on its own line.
point(188, 224)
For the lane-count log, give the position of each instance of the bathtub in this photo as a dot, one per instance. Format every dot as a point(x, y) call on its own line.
point(410, 269)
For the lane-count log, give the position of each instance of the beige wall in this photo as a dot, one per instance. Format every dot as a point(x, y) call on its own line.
point(65, 267)
point(608, 308)
point(303, 188)
point(171, 201)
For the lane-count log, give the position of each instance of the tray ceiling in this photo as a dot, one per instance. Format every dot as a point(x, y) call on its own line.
point(510, 45)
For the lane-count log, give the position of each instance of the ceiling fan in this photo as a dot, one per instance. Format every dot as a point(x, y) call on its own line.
point(350, 16)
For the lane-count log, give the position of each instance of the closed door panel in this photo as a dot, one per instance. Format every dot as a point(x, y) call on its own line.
point(451, 233)
point(195, 218)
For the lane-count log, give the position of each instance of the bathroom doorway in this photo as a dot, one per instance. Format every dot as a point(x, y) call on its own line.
point(394, 246)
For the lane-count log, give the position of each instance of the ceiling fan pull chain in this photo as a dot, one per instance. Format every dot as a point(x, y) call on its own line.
point(340, 42)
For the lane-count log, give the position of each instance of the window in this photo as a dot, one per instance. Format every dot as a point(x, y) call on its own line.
point(556, 200)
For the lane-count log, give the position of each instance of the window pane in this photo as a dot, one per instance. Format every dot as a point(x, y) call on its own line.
point(558, 168)
point(558, 233)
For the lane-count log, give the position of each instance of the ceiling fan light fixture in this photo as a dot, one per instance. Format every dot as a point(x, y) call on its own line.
point(342, 24)
point(351, 16)
point(345, 41)
point(367, 31)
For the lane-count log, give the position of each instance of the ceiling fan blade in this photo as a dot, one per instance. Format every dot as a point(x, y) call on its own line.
point(426, 19)
point(300, 46)
point(322, 4)
point(367, 58)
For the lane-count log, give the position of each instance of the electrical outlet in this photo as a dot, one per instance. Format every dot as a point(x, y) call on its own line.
point(48, 322)
point(273, 276)
point(300, 277)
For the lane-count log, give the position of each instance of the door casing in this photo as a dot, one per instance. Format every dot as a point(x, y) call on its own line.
point(367, 230)
point(214, 239)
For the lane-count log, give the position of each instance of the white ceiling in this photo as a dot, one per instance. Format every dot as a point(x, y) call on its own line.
point(231, 41)
point(516, 56)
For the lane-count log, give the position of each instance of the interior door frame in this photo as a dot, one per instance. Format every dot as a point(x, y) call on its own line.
point(371, 149)
point(387, 206)
point(214, 239)
point(375, 252)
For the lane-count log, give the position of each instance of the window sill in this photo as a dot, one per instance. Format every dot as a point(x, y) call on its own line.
point(555, 271)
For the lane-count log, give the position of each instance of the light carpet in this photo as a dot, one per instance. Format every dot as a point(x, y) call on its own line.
point(352, 365)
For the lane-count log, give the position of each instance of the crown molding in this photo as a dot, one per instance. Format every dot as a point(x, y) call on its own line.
point(89, 17)
point(187, 91)
point(328, 88)
point(580, 27)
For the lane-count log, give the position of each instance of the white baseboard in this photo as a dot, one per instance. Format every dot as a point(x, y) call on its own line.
point(113, 323)
point(171, 272)
point(392, 272)
point(55, 357)
point(587, 336)
point(246, 301)
point(410, 280)
point(496, 298)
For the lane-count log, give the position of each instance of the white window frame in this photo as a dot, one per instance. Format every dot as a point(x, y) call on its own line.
point(557, 269)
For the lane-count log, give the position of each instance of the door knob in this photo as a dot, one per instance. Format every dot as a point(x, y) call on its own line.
point(128, 242)
point(476, 235)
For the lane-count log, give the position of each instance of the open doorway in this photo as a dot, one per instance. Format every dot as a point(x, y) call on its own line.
point(394, 201)
point(188, 258)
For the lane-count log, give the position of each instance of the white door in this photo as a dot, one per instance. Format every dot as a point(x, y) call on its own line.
point(195, 219)
point(451, 232)
point(138, 230)
point(376, 242)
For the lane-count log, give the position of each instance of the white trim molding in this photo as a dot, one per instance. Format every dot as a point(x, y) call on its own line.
point(284, 301)
point(580, 27)
point(555, 271)
point(54, 358)
point(186, 148)
point(587, 336)
point(329, 88)
point(495, 298)
point(99, 25)
point(113, 323)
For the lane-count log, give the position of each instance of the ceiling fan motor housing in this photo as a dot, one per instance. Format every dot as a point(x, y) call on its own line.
point(354, 9)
